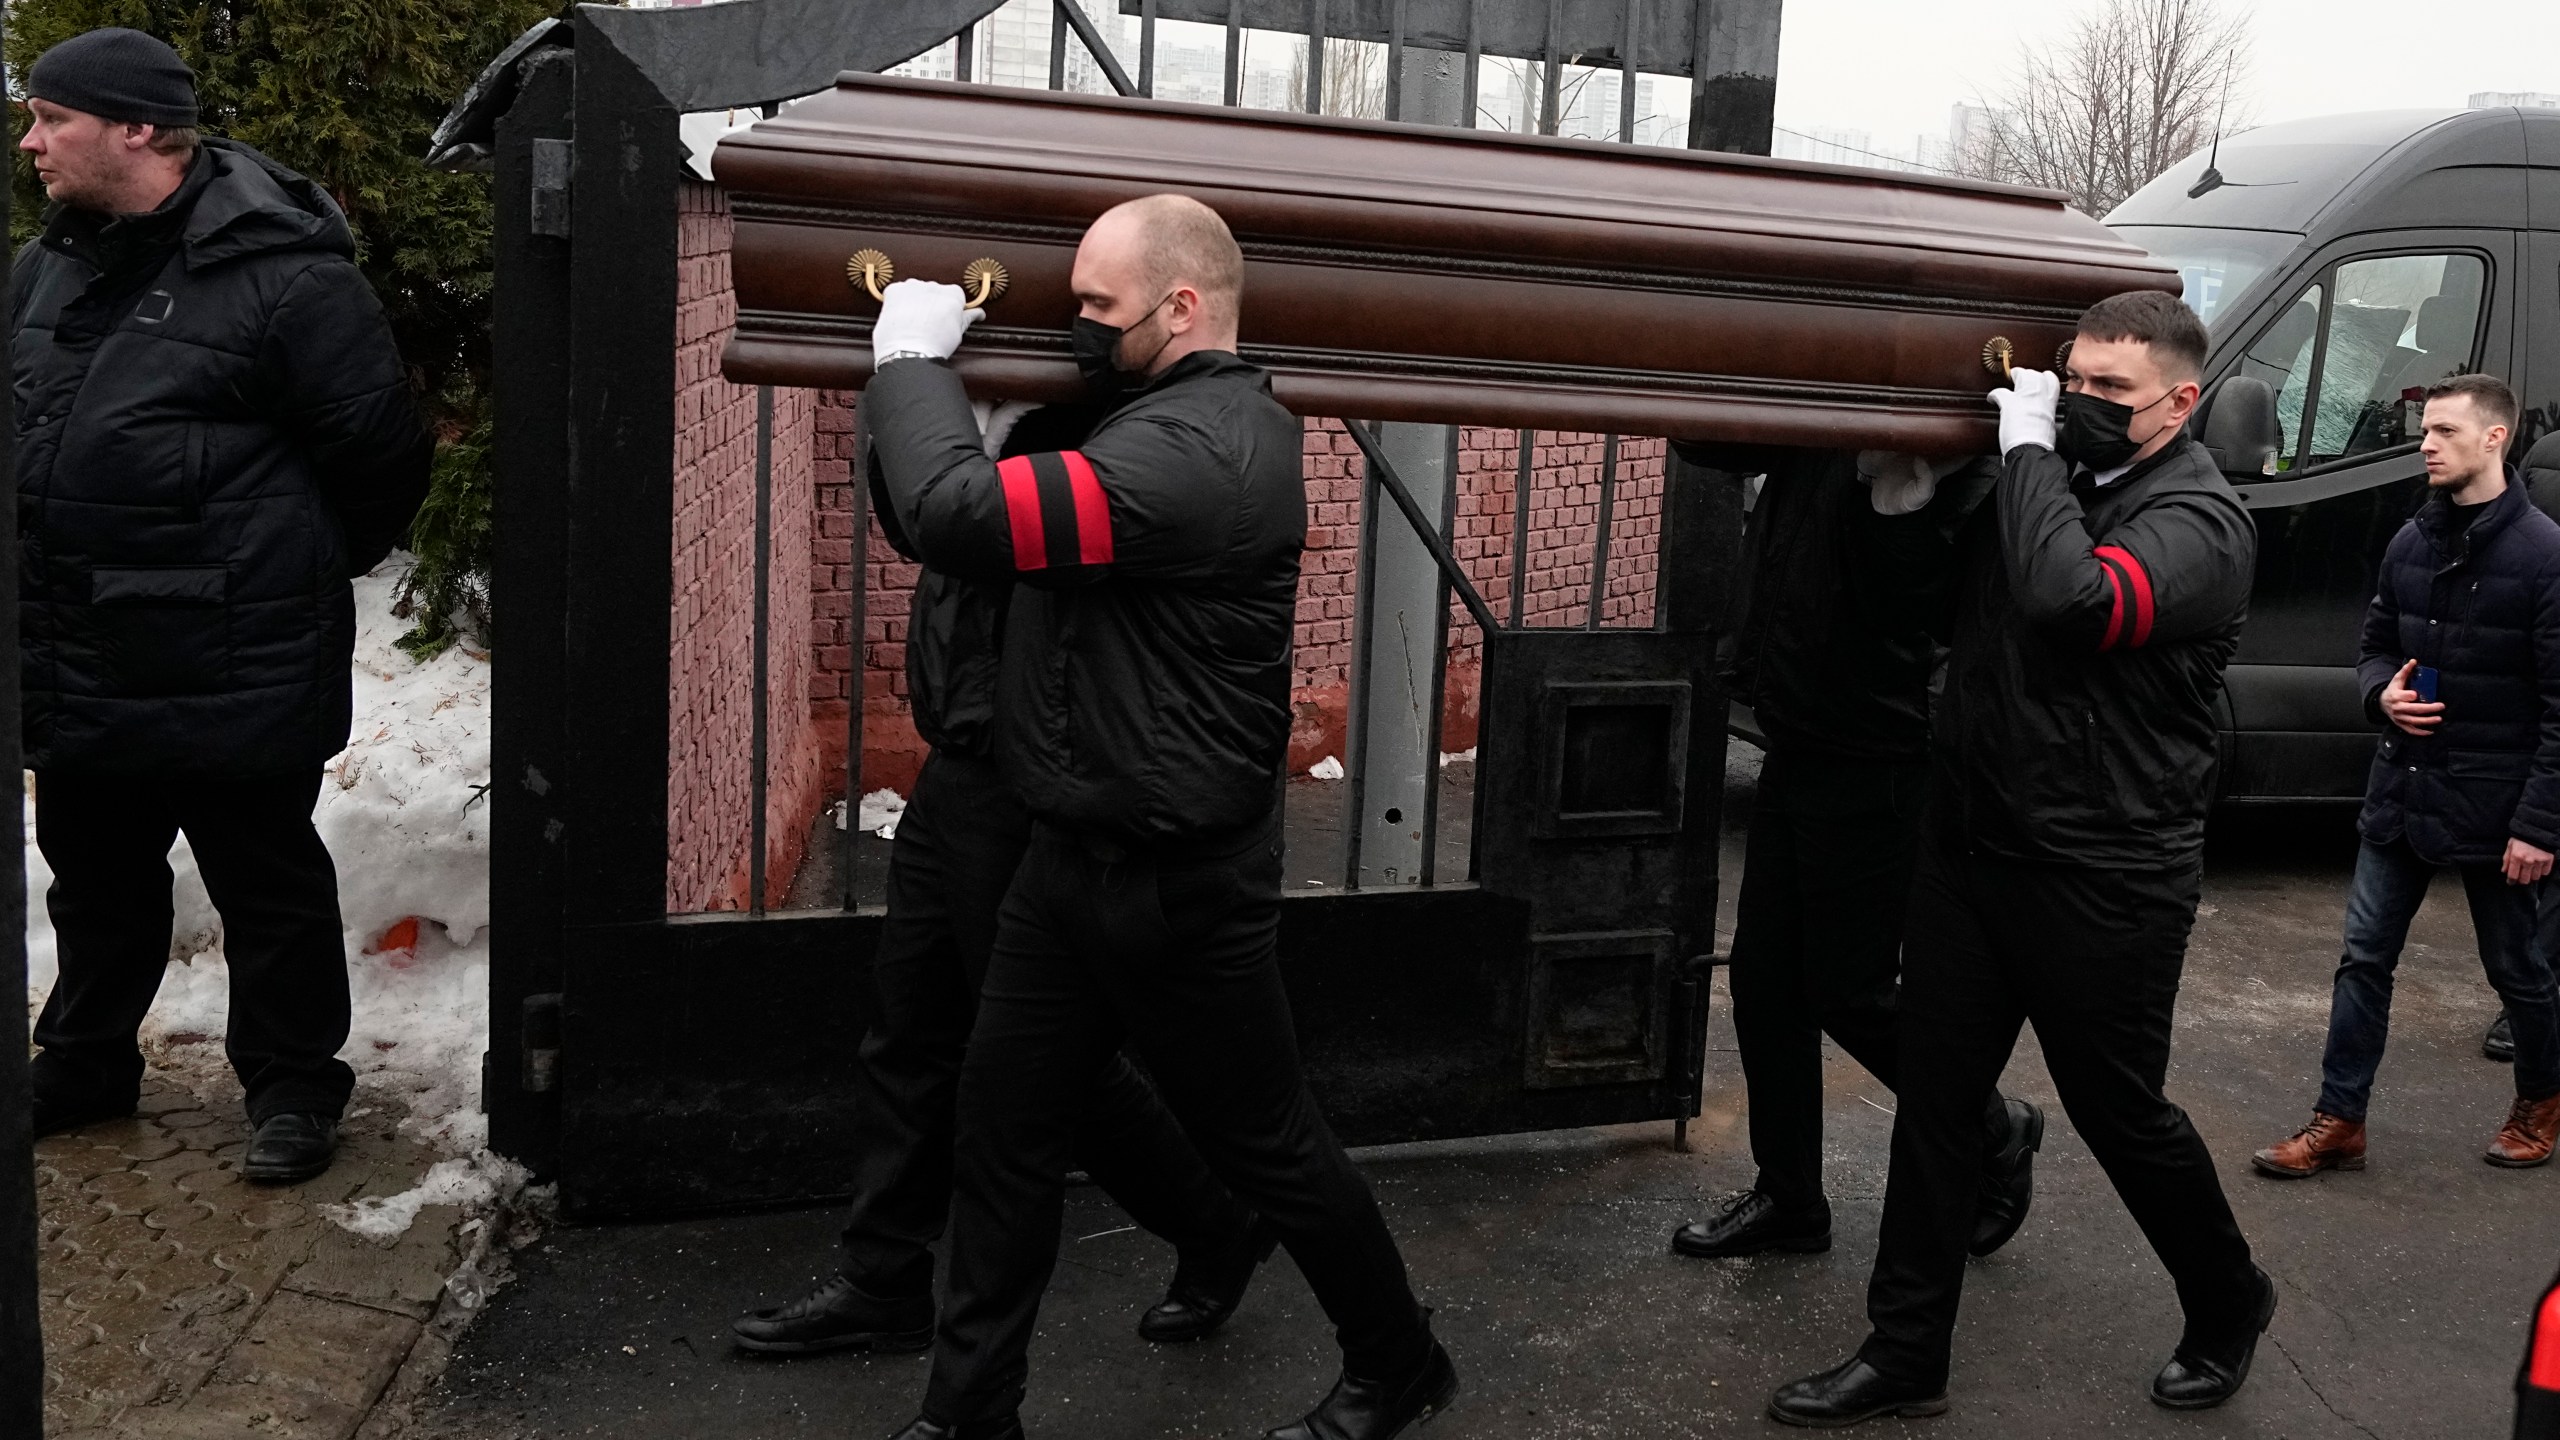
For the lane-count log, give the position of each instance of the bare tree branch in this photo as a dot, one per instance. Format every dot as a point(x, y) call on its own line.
point(2134, 89)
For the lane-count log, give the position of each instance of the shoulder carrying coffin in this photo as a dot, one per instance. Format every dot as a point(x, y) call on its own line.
point(1401, 273)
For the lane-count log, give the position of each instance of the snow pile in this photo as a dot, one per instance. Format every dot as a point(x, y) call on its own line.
point(405, 814)
point(471, 1183)
point(1328, 768)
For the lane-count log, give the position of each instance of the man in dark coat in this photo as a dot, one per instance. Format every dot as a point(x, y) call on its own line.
point(1143, 718)
point(2102, 593)
point(215, 434)
point(958, 844)
point(1850, 556)
point(2461, 668)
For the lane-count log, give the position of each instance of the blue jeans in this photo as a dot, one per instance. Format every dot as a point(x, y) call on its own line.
point(2390, 883)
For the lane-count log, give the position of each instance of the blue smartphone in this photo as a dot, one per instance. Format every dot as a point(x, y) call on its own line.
point(2423, 682)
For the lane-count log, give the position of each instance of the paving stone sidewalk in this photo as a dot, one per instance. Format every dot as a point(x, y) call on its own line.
point(181, 1302)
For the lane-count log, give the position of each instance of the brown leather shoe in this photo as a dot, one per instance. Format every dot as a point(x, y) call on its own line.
point(2327, 1143)
point(2525, 1140)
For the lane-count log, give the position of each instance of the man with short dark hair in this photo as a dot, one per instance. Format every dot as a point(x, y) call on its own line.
point(1143, 719)
point(215, 434)
point(2101, 595)
point(2461, 668)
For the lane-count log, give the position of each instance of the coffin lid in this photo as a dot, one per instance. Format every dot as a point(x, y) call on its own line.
point(1403, 272)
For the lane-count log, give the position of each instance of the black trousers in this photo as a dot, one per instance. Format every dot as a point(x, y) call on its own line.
point(1175, 956)
point(1817, 946)
point(107, 839)
point(2092, 957)
point(957, 847)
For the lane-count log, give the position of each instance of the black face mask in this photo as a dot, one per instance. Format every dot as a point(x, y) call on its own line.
point(1097, 352)
point(2092, 431)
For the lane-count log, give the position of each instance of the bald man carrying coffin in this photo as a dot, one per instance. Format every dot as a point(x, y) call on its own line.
point(1143, 718)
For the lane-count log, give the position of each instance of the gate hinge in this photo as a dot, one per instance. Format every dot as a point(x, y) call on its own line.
point(551, 188)
point(541, 1043)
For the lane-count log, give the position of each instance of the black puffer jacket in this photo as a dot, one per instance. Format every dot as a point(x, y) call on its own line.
point(1145, 686)
point(214, 434)
point(1834, 652)
point(2481, 604)
point(2091, 631)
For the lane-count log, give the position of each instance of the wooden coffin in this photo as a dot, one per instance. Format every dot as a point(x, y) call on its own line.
point(1401, 273)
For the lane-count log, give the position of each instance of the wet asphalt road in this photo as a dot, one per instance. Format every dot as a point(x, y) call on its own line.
point(2404, 1288)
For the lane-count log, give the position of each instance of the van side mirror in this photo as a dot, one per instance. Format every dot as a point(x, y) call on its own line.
point(2239, 426)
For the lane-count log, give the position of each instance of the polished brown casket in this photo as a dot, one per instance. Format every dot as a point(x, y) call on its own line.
point(1401, 273)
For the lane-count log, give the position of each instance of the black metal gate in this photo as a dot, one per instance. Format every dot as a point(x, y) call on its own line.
point(655, 1062)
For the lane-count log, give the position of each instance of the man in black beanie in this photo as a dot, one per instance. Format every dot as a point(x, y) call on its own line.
point(215, 434)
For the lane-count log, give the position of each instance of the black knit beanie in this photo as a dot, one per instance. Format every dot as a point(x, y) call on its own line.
point(118, 75)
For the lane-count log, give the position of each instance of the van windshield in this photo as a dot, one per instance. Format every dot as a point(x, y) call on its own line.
point(2218, 266)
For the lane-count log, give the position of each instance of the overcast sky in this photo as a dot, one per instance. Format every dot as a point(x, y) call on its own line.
point(1893, 67)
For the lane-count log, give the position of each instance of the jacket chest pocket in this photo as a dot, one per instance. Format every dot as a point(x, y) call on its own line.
point(153, 630)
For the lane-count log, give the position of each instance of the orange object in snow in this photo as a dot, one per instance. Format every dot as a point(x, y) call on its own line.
point(401, 936)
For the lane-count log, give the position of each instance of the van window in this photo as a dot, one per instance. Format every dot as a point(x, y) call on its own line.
point(2395, 325)
point(2282, 358)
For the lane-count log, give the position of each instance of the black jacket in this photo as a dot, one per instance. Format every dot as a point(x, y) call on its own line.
point(2090, 633)
point(2481, 604)
point(1834, 651)
point(1144, 692)
point(214, 434)
point(955, 625)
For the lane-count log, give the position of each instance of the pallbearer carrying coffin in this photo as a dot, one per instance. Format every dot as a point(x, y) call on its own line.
point(1143, 718)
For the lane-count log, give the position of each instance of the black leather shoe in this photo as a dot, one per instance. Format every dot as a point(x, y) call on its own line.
point(2199, 1377)
point(1207, 1291)
point(1853, 1392)
point(921, 1428)
point(290, 1148)
point(2500, 1043)
point(1361, 1409)
point(56, 1112)
point(1747, 1222)
point(838, 1315)
point(2008, 1179)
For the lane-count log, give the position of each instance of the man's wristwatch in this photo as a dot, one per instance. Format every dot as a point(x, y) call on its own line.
point(879, 360)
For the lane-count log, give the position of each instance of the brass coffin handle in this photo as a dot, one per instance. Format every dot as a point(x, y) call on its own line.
point(984, 278)
point(1997, 352)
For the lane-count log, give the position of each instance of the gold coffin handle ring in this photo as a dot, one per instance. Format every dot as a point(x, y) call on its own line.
point(1997, 352)
point(983, 278)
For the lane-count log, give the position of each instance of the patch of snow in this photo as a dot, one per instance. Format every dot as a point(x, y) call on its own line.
point(881, 810)
point(404, 811)
point(1327, 768)
point(471, 1183)
point(1452, 757)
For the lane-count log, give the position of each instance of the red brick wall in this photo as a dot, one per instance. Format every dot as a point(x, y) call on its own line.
point(711, 672)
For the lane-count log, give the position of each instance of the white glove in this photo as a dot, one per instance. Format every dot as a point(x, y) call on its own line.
point(2027, 409)
point(919, 317)
point(996, 420)
point(1897, 484)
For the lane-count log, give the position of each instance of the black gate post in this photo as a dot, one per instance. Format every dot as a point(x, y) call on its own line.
point(21, 1334)
point(528, 738)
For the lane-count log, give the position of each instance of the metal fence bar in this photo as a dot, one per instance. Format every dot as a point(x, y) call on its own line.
point(1095, 46)
point(760, 705)
point(1626, 74)
point(1147, 48)
point(1600, 534)
point(857, 620)
point(1315, 57)
point(1235, 52)
point(964, 53)
point(1058, 44)
point(1522, 486)
point(1475, 59)
point(1550, 90)
point(1395, 60)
